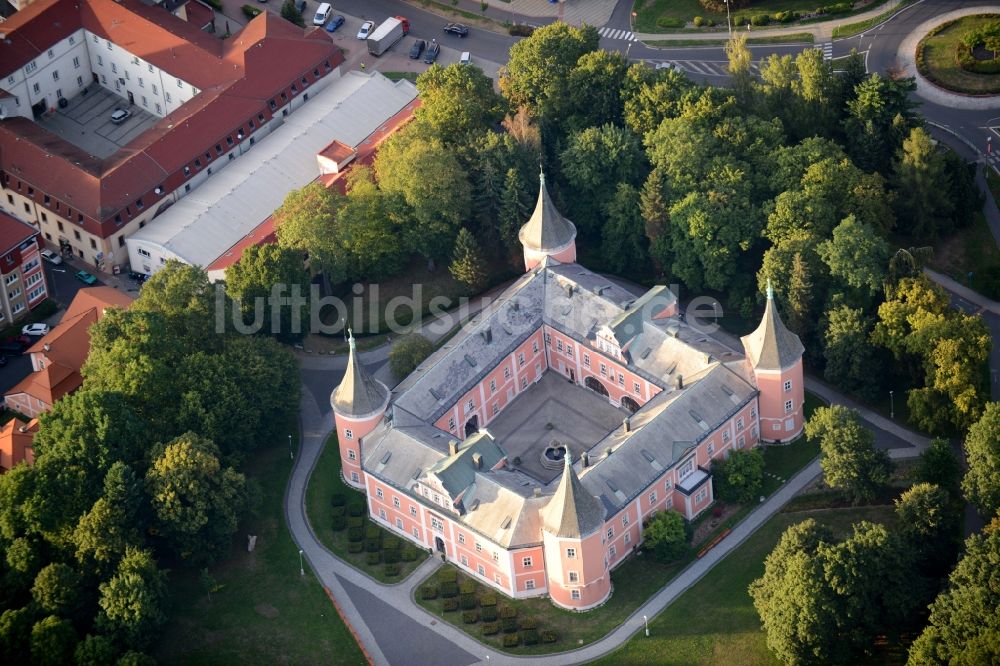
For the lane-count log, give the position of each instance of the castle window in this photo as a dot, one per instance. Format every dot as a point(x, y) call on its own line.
point(464, 560)
point(524, 383)
point(351, 455)
point(741, 442)
point(574, 594)
point(711, 448)
point(788, 385)
point(753, 412)
point(559, 345)
point(569, 349)
point(574, 577)
point(506, 372)
point(470, 406)
point(628, 538)
point(493, 386)
point(520, 358)
point(399, 523)
point(739, 424)
point(529, 584)
point(348, 433)
point(625, 520)
point(571, 553)
point(611, 533)
point(604, 370)
point(636, 388)
point(413, 510)
point(496, 408)
point(381, 514)
point(481, 569)
point(725, 436)
point(534, 346)
point(621, 379)
point(788, 406)
point(652, 497)
point(496, 556)
point(479, 547)
point(461, 537)
point(612, 552)
point(395, 502)
point(586, 360)
point(702, 494)
point(354, 477)
point(526, 562)
point(379, 493)
point(416, 532)
point(451, 423)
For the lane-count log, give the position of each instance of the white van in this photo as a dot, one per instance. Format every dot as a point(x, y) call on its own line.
point(465, 58)
point(322, 14)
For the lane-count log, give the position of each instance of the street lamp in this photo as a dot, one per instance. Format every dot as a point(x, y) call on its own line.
point(729, 20)
point(645, 621)
point(291, 454)
point(892, 406)
point(302, 569)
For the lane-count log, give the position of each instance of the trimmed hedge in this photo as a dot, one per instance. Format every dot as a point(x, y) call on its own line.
point(520, 30)
point(666, 22)
point(467, 601)
point(508, 625)
point(356, 521)
point(528, 623)
point(408, 554)
point(491, 628)
point(338, 523)
point(760, 19)
point(355, 534)
point(449, 590)
point(339, 511)
point(489, 614)
point(391, 570)
point(470, 617)
point(373, 532)
point(338, 499)
point(372, 545)
point(373, 558)
point(488, 600)
point(390, 542)
point(389, 556)
point(508, 611)
point(467, 587)
point(356, 510)
point(529, 637)
point(449, 605)
point(448, 576)
point(428, 592)
point(548, 636)
point(355, 547)
point(511, 640)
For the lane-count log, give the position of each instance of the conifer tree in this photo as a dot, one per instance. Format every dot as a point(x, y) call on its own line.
point(468, 265)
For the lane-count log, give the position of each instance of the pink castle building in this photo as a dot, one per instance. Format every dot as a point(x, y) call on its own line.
point(532, 447)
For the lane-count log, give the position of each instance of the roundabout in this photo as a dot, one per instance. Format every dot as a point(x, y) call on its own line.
point(961, 55)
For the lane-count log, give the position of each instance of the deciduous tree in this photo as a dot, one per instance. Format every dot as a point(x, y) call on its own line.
point(982, 451)
point(407, 353)
point(53, 640)
point(264, 274)
point(856, 255)
point(852, 362)
point(133, 601)
point(921, 175)
point(666, 536)
point(457, 102)
point(739, 477)
point(304, 222)
point(624, 246)
point(850, 460)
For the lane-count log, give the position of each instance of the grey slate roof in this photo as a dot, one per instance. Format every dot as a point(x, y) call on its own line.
point(457, 472)
point(547, 229)
point(772, 346)
point(358, 393)
point(572, 512)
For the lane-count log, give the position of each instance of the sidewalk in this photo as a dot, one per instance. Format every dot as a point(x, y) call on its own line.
point(963, 291)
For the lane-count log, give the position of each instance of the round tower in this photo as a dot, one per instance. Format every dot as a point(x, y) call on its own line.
point(359, 403)
point(575, 563)
point(547, 233)
point(774, 355)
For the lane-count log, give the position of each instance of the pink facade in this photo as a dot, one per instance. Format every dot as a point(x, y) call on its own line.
point(350, 430)
point(578, 571)
point(564, 255)
point(781, 403)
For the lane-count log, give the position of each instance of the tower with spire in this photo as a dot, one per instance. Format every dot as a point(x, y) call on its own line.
point(575, 562)
point(359, 403)
point(547, 233)
point(774, 355)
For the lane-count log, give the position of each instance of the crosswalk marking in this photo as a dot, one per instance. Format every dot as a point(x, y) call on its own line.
point(613, 33)
point(827, 48)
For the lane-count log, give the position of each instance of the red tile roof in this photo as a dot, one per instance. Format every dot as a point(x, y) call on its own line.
point(16, 439)
point(236, 78)
point(265, 231)
point(13, 232)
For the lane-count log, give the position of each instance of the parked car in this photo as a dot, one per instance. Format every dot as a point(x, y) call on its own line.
point(51, 257)
point(418, 48)
point(118, 116)
point(37, 329)
point(335, 23)
point(366, 29)
point(465, 58)
point(137, 277)
point(669, 65)
point(432, 52)
point(302, 7)
point(86, 278)
point(457, 29)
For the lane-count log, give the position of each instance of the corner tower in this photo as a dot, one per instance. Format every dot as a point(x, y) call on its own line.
point(547, 233)
point(359, 403)
point(572, 530)
point(775, 357)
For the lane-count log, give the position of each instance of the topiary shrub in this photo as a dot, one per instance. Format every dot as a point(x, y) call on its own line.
point(448, 576)
point(356, 510)
point(760, 19)
point(529, 637)
point(511, 640)
point(528, 623)
point(355, 547)
point(698, 21)
point(356, 521)
point(449, 590)
point(488, 600)
point(520, 30)
point(355, 534)
point(338, 523)
point(250, 11)
point(467, 587)
point(666, 22)
point(373, 558)
point(390, 556)
point(390, 542)
point(489, 614)
point(548, 636)
point(339, 511)
point(428, 592)
point(467, 601)
point(408, 554)
point(450, 605)
point(508, 611)
point(373, 532)
point(508, 625)
point(372, 545)
point(470, 617)
point(391, 570)
point(338, 499)
point(709, 22)
point(491, 628)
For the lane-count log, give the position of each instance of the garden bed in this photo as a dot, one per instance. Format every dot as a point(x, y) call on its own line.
point(659, 16)
point(938, 60)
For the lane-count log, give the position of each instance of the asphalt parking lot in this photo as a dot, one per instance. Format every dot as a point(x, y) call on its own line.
point(86, 122)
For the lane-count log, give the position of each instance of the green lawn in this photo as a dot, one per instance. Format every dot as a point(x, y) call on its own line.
point(794, 38)
point(852, 29)
point(971, 249)
point(714, 622)
point(662, 15)
point(993, 181)
point(265, 612)
point(323, 484)
point(937, 61)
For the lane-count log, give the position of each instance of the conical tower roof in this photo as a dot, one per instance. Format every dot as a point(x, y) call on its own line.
point(772, 346)
point(359, 393)
point(572, 513)
point(547, 229)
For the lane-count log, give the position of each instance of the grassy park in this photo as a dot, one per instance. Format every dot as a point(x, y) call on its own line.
point(669, 15)
point(937, 59)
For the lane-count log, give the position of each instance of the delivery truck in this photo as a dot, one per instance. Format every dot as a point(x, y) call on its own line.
point(387, 35)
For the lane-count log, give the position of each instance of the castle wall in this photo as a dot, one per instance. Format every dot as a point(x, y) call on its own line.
point(782, 394)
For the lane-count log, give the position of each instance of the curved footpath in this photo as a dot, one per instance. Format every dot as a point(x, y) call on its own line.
point(393, 629)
